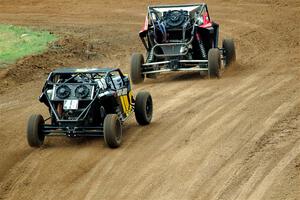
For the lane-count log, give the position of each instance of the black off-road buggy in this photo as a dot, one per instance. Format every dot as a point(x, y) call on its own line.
point(88, 102)
point(180, 38)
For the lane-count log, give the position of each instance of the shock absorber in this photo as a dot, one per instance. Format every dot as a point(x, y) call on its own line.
point(201, 46)
point(151, 56)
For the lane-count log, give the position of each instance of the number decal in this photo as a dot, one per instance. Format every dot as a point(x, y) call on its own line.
point(70, 104)
point(122, 92)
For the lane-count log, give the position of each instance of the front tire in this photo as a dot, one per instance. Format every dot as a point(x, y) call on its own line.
point(214, 63)
point(230, 55)
point(143, 108)
point(137, 60)
point(35, 136)
point(112, 129)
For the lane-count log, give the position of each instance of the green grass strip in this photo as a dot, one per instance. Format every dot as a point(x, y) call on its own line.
point(17, 42)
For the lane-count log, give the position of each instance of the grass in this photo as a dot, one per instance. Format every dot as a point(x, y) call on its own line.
point(17, 42)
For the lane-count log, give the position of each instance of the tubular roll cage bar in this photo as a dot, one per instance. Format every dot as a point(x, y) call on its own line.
point(151, 9)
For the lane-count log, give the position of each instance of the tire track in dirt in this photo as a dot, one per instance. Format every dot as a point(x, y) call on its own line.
point(164, 150)
point(268, 180)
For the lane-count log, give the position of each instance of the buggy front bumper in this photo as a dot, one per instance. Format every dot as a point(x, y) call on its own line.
point(51, 130)
point(181, 65)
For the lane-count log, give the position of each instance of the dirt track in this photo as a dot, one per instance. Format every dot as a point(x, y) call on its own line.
point(233, 138)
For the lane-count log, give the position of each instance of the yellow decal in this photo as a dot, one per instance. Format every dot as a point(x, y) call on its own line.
point(126, 103)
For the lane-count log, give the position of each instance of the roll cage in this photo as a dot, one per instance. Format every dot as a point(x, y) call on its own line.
point(155, 13)
point(174, 54)
point(93, 73)
point(76, 126)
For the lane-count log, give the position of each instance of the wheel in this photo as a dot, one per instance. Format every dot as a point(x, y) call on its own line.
point(214, 62)
point(137, 60)
point(35, 137)
point(112, 131)
point(143, 108)
point(230, 56)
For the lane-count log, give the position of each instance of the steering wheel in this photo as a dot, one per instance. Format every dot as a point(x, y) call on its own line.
point(175, 18)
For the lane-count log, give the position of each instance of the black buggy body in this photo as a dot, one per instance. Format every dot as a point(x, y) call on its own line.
point(88, 102)
point(180, 38)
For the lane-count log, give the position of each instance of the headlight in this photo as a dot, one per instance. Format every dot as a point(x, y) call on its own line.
point(82, 91)
point(50, 93)
point(63, 92)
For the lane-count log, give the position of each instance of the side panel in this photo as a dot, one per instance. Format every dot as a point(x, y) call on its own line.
point(126, 96)
point(144, 30)
point(126, 102)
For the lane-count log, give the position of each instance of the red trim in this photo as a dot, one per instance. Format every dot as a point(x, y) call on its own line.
point(206, 25)
point(145, 27)
point(206, 22)
point(205, 18)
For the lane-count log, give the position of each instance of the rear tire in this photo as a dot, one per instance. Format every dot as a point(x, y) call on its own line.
point(35, 136)
point(230, 56)
point(214, 62)
point(137, 60)
point(143, 108)
point(112, 129)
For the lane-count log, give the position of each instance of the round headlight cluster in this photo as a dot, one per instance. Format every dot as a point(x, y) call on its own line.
point(63, 92)
point(82, 91)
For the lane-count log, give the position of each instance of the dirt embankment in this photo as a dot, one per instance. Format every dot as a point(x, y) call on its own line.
point(232, 138)
point(64, 52)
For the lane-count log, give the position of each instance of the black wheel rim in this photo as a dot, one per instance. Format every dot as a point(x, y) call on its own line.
point(118, 131)
point(40, 131)
point(149, 107)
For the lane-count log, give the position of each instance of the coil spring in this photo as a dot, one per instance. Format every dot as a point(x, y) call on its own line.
point(202, 50)
point(151, 56)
